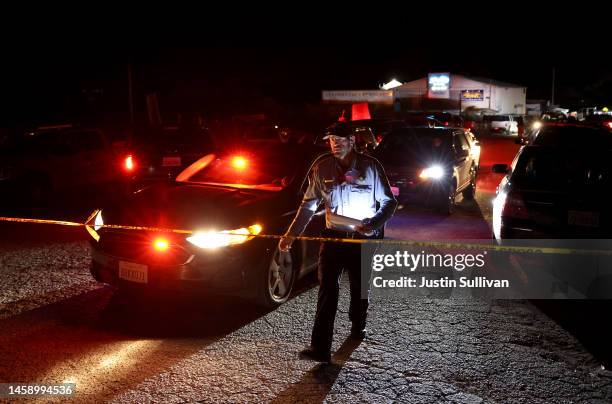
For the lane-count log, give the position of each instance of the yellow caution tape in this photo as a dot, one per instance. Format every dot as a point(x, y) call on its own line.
point(406, 243)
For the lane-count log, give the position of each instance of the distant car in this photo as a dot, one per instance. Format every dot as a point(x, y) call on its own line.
point(429, 165)
point(423, 120)
point(602, 120)
point(501, 124)
point(226, 199)
point(37, 165)
point(160, 154)
point(380, 128)
point(447, 119)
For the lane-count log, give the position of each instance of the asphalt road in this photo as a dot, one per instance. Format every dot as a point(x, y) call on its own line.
point(58, 325)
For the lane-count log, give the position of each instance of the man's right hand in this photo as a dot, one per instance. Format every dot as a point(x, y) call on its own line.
point(285, 243)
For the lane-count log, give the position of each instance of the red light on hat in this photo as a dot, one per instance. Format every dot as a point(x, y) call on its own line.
point(360, 111)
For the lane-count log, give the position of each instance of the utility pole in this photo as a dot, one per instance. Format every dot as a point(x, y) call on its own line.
point(552, 97)
point(131, 101)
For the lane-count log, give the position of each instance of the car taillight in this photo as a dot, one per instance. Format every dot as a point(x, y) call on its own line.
point(379, 138)
point(608, 124)
point(129, 163)
point(239, 163)
point(161, 244)
point(446, 123)
point(514, 207)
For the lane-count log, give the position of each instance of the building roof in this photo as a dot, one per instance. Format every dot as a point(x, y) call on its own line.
point(490, 81)
point(483, 80)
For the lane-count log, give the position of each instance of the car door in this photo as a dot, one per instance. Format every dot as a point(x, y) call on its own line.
point(463, 160)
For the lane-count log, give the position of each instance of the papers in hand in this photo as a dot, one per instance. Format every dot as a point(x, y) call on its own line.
point(342, 223)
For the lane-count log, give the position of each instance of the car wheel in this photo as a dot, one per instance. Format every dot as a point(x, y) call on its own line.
point(447, 205)
point(470, 191)
point(277, 278)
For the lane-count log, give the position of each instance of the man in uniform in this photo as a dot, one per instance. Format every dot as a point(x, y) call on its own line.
point(351, 185)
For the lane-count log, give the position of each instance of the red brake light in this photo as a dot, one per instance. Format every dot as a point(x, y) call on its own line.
point(515, 207)
point(128, 164)
point(239, 162)
point(446, 123)
point(160, 244)
point(608, 124)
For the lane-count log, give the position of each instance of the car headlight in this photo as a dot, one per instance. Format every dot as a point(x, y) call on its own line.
point(98, 222)
point(434, 172)
point(498, 207)
point(216, 239)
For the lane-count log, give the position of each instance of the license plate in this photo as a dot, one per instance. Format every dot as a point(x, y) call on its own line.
point(171, 161)
point(578, 218)
point(133, 272)
point(395, 191)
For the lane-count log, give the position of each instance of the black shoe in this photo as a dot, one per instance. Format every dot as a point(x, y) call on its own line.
point(313, 354)
point(359, 335)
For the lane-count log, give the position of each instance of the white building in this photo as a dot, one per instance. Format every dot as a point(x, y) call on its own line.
point(453, 92)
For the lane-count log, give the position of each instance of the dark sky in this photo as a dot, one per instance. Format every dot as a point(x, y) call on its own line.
point(59, 81)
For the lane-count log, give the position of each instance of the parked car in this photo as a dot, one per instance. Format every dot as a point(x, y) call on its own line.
point(226, 199)
point(501, 124)
point(448, 120)
point(555, 192)
point(601, 120)
point(558, 195)
point(429, 165)
point(38, 165)
point(160, 154)
point(370, 132)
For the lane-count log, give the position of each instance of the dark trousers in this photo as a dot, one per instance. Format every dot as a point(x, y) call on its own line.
point(333, 259)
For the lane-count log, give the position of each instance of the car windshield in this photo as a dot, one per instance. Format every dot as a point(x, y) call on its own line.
point(411, 147)
point(549, 166)
point(267, 169)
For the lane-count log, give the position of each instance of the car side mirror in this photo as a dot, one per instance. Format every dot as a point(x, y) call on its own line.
point(500, 168)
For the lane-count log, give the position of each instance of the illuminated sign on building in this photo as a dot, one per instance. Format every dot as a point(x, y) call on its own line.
point(438, 85)
point(472, 95)
point(378, 96)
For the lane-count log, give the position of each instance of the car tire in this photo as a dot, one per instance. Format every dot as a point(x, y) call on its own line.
point(447, 204)
point(276, 278)
point(470, 192)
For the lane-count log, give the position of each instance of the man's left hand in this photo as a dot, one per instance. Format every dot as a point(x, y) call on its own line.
point(365, 227)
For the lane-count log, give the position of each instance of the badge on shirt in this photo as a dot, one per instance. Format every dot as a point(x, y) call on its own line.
point(353, 176)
